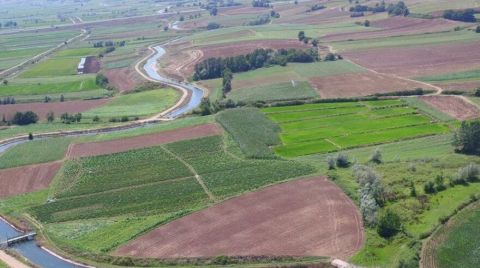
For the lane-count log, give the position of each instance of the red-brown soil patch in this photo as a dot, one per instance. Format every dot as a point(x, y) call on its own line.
point(420, 60)
point(92, 65)
point(453, 105)
point(395, 26)
point(41, 109)
point(26, 179)
point(123, 79)
point(309, 217)
point(360, 84)
point(243, 10)
point(122, 145)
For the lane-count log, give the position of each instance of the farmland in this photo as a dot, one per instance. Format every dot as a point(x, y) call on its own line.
point(321, 128)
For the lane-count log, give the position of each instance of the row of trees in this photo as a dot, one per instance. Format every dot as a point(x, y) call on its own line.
point(8, 24)
point(260, 20)
point(214, 67)
point(467, 15)
point(316, 7)
point(7, 100)
point(305, 39)
point(261, 3)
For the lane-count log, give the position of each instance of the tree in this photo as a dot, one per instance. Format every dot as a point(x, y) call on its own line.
point(467, 138)
point(50, 117)
point(330, 57)
point(96, 119)
point(467, 15)
point(62, 98)
point(182, 18)
point(413, 190)
point(301, 35)
point(389, 224)
point(213, 11)
point(398, 9)
point(5, 82)
point(342, 161)
point(227, 81)
point(101, 80)
point(477, 92)
point(477, 30)
point(366, 23)
point(315, 42)
point(429, 187)
point(30, 136)
point(331, 163)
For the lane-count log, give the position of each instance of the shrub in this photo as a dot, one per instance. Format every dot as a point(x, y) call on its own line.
point(468, 173)
point(440, 185)
point(101, 80)
point(413, 190)
point(342, 161)
point(376, 156)
point(477, 30)
point(429, 187)
point(30, 136)
point(477, 91)
point(331, 163)
point(389, 224)
point(213, 25)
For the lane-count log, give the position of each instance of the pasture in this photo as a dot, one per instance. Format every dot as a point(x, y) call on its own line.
point(321, 128)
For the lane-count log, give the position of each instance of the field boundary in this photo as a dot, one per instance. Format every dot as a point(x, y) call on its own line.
point(195, 173)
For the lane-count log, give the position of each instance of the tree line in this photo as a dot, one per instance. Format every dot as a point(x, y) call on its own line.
point(467, 15)
point(214, 67)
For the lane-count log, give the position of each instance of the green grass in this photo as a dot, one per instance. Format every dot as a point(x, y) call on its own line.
point(253, 132)
point(53, 67)
point(460, 248)
point(274, 92)
point(452, 77)
point(321, 128)
point(42, 86)
point(140, 104)
point(79, 52)
point(131, 183)
point(35, 152)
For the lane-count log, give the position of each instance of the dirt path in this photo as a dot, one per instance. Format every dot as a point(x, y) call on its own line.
point(192, 169)
point(11, 261)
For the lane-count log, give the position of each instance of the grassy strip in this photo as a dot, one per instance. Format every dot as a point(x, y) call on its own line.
point(253, 132)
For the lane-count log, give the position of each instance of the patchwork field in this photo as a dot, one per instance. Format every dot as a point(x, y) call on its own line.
point(320, 128)
point(280, 220)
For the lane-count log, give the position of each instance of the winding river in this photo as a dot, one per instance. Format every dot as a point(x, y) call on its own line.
point(45, 258)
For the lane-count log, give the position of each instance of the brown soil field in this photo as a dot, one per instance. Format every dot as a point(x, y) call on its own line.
point(92, 65)
point(143, 141)
point(193, 56)
point(453, 105)
point(123, 79)
point(41, 108)
point(395, 26)
point(308, 217)
point(360, 84)
point(20, 180)
point(299, 15)
point(419, 60)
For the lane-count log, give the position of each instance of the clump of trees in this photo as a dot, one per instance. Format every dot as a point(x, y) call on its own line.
point(467, 15)
point(261, 3)
point(315, 7)
point(214, 67)
point(101, 80)
point(7, 100)
point(371, 193)
point(25, 118)
point(389, 224)
point(9, 24)
point(71, 118)
point(467, 138)
point(260, 20)
point(213, 26)
point(398, 9)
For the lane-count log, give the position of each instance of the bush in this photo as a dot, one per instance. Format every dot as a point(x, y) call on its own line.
point(389, 224)
point(213, 26)
point(429, 187)
point(477, 30)
point(342, 161)
point(101, 80)
point(376, 156)
point(331, 163)
point(468, 173)
point(477, 91)
point(25, 118)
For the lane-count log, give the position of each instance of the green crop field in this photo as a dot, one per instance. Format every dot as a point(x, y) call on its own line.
point(140, 104)
point(461, 244)
point(53, 85)
point(473, 75)
point(46, 151)
point(320, 128)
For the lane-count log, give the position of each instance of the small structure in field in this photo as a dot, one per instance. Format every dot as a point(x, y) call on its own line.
point(81, 66)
